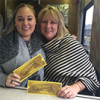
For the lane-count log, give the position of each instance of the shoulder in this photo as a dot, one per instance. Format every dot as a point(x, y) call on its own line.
point(8, 47)
point(8, 38)
point(70, 42)
point(7, 35)
point(68, 39)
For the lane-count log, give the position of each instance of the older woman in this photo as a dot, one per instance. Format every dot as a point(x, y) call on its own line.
point(66, 59)
point(18, 45)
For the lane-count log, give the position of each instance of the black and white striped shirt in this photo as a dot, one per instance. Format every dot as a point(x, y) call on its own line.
point(67, 62)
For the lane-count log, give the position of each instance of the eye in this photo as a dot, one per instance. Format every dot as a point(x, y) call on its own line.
point(29, 19)
point(44, 21)
point(52, 22)
point(20, 19)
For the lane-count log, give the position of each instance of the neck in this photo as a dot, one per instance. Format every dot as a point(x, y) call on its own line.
point(26, 38)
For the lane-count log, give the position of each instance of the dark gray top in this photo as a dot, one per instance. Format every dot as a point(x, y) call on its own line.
point(14, 52)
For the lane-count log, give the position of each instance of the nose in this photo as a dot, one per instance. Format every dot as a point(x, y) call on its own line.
point(25, 22)
point(48, 24)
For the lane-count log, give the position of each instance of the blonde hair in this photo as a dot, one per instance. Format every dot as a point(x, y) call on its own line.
point(12, 27)
point(62, 31)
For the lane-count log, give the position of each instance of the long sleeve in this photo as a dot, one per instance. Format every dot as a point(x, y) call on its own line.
point(67, 62)
point(2, 77)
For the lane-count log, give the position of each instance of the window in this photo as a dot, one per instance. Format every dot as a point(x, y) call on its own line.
point(87, 25)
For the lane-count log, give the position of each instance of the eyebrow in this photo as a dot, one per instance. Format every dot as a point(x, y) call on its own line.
point(28, 16)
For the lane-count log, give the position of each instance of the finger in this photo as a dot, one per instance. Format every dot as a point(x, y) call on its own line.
point(15, 83)
point(11, 85)
point(14, 79)
point(65, 87)
point(63, 93)
point(72, 96)
point(15, 75)
point(61, 90)
point(67, 95)
point(11, 77)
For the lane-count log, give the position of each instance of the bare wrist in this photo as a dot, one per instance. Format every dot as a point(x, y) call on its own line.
point(80, 85)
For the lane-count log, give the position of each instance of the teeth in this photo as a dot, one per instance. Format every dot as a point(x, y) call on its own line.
point(25, 28)
point(48, 31)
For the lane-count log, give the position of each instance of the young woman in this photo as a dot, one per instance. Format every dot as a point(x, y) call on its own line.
point(18, 45)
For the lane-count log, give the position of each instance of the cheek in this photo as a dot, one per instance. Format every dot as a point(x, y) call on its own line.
point(32, 26)
point(17, 25)
point(56, 28)
point(41, 26)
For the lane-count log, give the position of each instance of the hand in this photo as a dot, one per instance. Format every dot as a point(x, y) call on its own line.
point(12, 80)
point(68, 91)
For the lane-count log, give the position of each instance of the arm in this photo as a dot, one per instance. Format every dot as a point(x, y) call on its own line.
point(71, 91)
point(2, 77)
point(81, 69)
point(8, 80)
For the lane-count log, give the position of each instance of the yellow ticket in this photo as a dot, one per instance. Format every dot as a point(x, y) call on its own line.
point(43, 87)
point(30, 67)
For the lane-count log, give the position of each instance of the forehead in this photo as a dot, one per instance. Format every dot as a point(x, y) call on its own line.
point(24, 11)
point(48, 16)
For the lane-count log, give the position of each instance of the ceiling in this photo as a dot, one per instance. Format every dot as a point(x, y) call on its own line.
point(26, 1)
